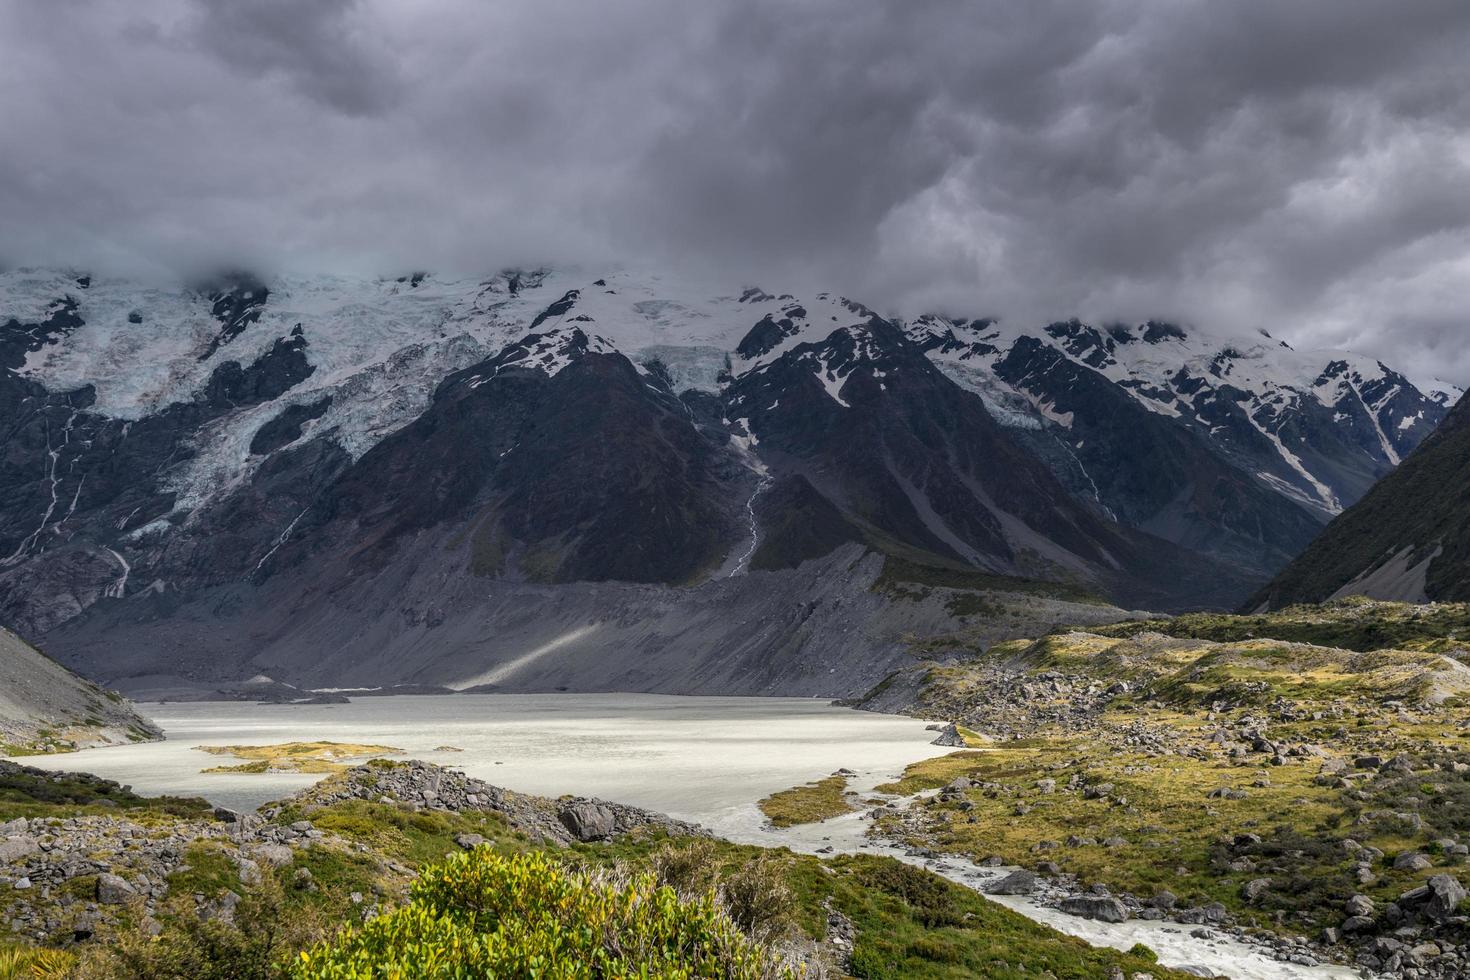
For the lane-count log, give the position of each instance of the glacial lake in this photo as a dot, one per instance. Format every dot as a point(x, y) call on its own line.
point(701, 759)
point(697, 758)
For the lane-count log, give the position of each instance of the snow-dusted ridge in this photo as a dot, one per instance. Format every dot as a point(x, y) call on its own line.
point(379, 348)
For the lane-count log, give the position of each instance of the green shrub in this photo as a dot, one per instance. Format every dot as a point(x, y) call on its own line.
point(483, 914)
point(929, 897)
point(758, 898)
point(690, 868)
point(253, 947)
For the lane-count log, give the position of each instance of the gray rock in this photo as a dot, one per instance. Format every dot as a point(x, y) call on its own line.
point(113, 890)
point(1437, 899)
point(588, 821)
point(1358, 905)
point(950, 737)
point(469, 841)
point(276, 855)
point(249, 872)
point(1255, 888)
point(1104, 908)
point(15, 849)
point(1016, 883)
point(1411, 861)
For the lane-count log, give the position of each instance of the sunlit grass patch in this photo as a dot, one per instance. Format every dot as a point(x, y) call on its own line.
point(815, 801)
point(307, 757)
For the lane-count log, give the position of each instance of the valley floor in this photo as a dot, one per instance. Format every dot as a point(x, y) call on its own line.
point(1227, 799)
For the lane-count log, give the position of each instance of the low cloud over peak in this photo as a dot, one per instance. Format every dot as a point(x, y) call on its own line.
point(1300, 167)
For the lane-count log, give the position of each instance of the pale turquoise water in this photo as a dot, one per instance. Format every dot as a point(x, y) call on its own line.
point(691, 757)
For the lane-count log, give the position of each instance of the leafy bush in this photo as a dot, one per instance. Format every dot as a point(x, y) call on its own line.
point(483, 914)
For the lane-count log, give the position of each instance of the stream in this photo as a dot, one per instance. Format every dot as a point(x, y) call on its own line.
point(1219, 954)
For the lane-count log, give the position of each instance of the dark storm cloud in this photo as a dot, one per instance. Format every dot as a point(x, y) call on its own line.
point(1302, 167)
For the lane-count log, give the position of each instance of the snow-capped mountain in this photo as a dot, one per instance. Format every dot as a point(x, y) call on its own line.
point(1238, 446)
point(1408, 539)
point(343, 451)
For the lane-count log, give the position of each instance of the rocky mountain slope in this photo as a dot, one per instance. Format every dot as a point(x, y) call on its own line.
point(1408, 539)
point(477, 482)
point(46, 708)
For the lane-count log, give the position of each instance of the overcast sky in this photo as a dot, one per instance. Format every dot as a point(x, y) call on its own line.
point(1297, 165)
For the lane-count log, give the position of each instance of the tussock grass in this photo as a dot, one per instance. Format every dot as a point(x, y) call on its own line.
point(815, 801)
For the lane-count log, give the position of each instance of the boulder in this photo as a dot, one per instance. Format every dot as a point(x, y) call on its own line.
point(1358, 905)
point(1016, 883)
point(1104, 908)
point(1255, 888)
point(1437, 899)
point(950, 737)
point(588, 821)
point(18, 848)
point(275, 855)
point(249, 871)
point(1411, 861)
point(114, 890)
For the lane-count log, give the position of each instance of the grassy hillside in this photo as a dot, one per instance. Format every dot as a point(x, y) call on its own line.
point(1216, 762)
point(333, 887)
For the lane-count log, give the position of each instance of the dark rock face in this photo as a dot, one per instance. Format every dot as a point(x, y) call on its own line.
point(891, 449)
point(587, 475)
point(558, 309)
point(19, 339)
point(285, 428)
point(1152, 473)
point(236, 301)
point(102, 478)
point(1409, 538)
point(798, 524)
point(1211, 446)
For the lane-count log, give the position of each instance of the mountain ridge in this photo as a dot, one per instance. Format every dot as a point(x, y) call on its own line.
point(171, 452)
point(1408, 539)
